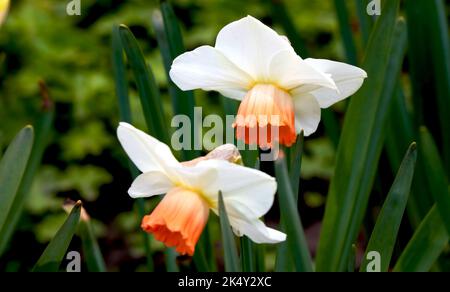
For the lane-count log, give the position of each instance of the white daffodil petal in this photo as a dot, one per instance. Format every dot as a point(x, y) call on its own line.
point(250, 44)
point(146, 152)
point(307, 114)
point(256, 230)
point(208, 69)
point(246, 192)
point(348, 80)
point(150, 184)
point(291, 72)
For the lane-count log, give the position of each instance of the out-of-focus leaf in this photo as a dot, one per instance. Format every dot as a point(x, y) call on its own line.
point(247, 255)
point(435, 173)
point(12, 169)
point(426, 245)
point(53, 255)
point(148, 91)
point(386, 229)
point(43, 127)
point(429, 56)
point(125, 116)
point(283, 261)
point(170, 42)
point(361, 142)
point(346, 31)
point(365, 23)
point(298, 247)
point(91, 249)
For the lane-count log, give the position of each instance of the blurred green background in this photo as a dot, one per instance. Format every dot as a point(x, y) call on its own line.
point(72, 54)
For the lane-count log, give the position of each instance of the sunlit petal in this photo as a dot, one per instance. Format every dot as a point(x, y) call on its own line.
point(146, 152)
point(250, 44)
point(256, 230)
point(348, 80)
point(208, 69)
point(150, 184)
point(307, 113)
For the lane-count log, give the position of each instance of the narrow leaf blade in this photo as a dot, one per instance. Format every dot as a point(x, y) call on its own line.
point(435, 173)
point(361, 142)
point(386, 229)
point(298, 246)
point(12, 169)
point(53, 255)
point(426, 245)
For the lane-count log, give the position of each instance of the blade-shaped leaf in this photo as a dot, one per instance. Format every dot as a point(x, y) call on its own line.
point(121, 83)
point(43, 128)
point(53, 255)
point(146, 84)
point(170, 42)
point(386, 229)
point(232, 262)
point(12, 169)
point(426, 245)
point(91, 249)
point(283, 260)
point(247, 254)
point(361, 142)
point(365, 23)
point(346, 31)
point(435, 173)
point(429, 56)
point(298, 246)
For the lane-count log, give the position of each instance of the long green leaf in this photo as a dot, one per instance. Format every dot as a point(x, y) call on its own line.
point(295, 164)
point(400, 132)
point(283, 262)
point(429, 56)
point(426, 245)
point(91, 249)
point(170, 42)
point(12, 169)
point(386, 229)
point(120, 79)
point(247, 255)
point(298, 246)
point(120, 76)
point(365, 23)
point(361, 142)
point(53, 255)
point(232, 262)
point(435, 174)
point(43, 128)
point(346, 31)
point(146, 84)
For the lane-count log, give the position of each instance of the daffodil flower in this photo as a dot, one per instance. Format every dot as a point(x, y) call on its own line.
point(192, 190)
point(278, 89)
point(4, 6)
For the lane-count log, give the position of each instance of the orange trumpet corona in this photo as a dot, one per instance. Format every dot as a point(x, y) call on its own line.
point(178, 220)
point(266, 115)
